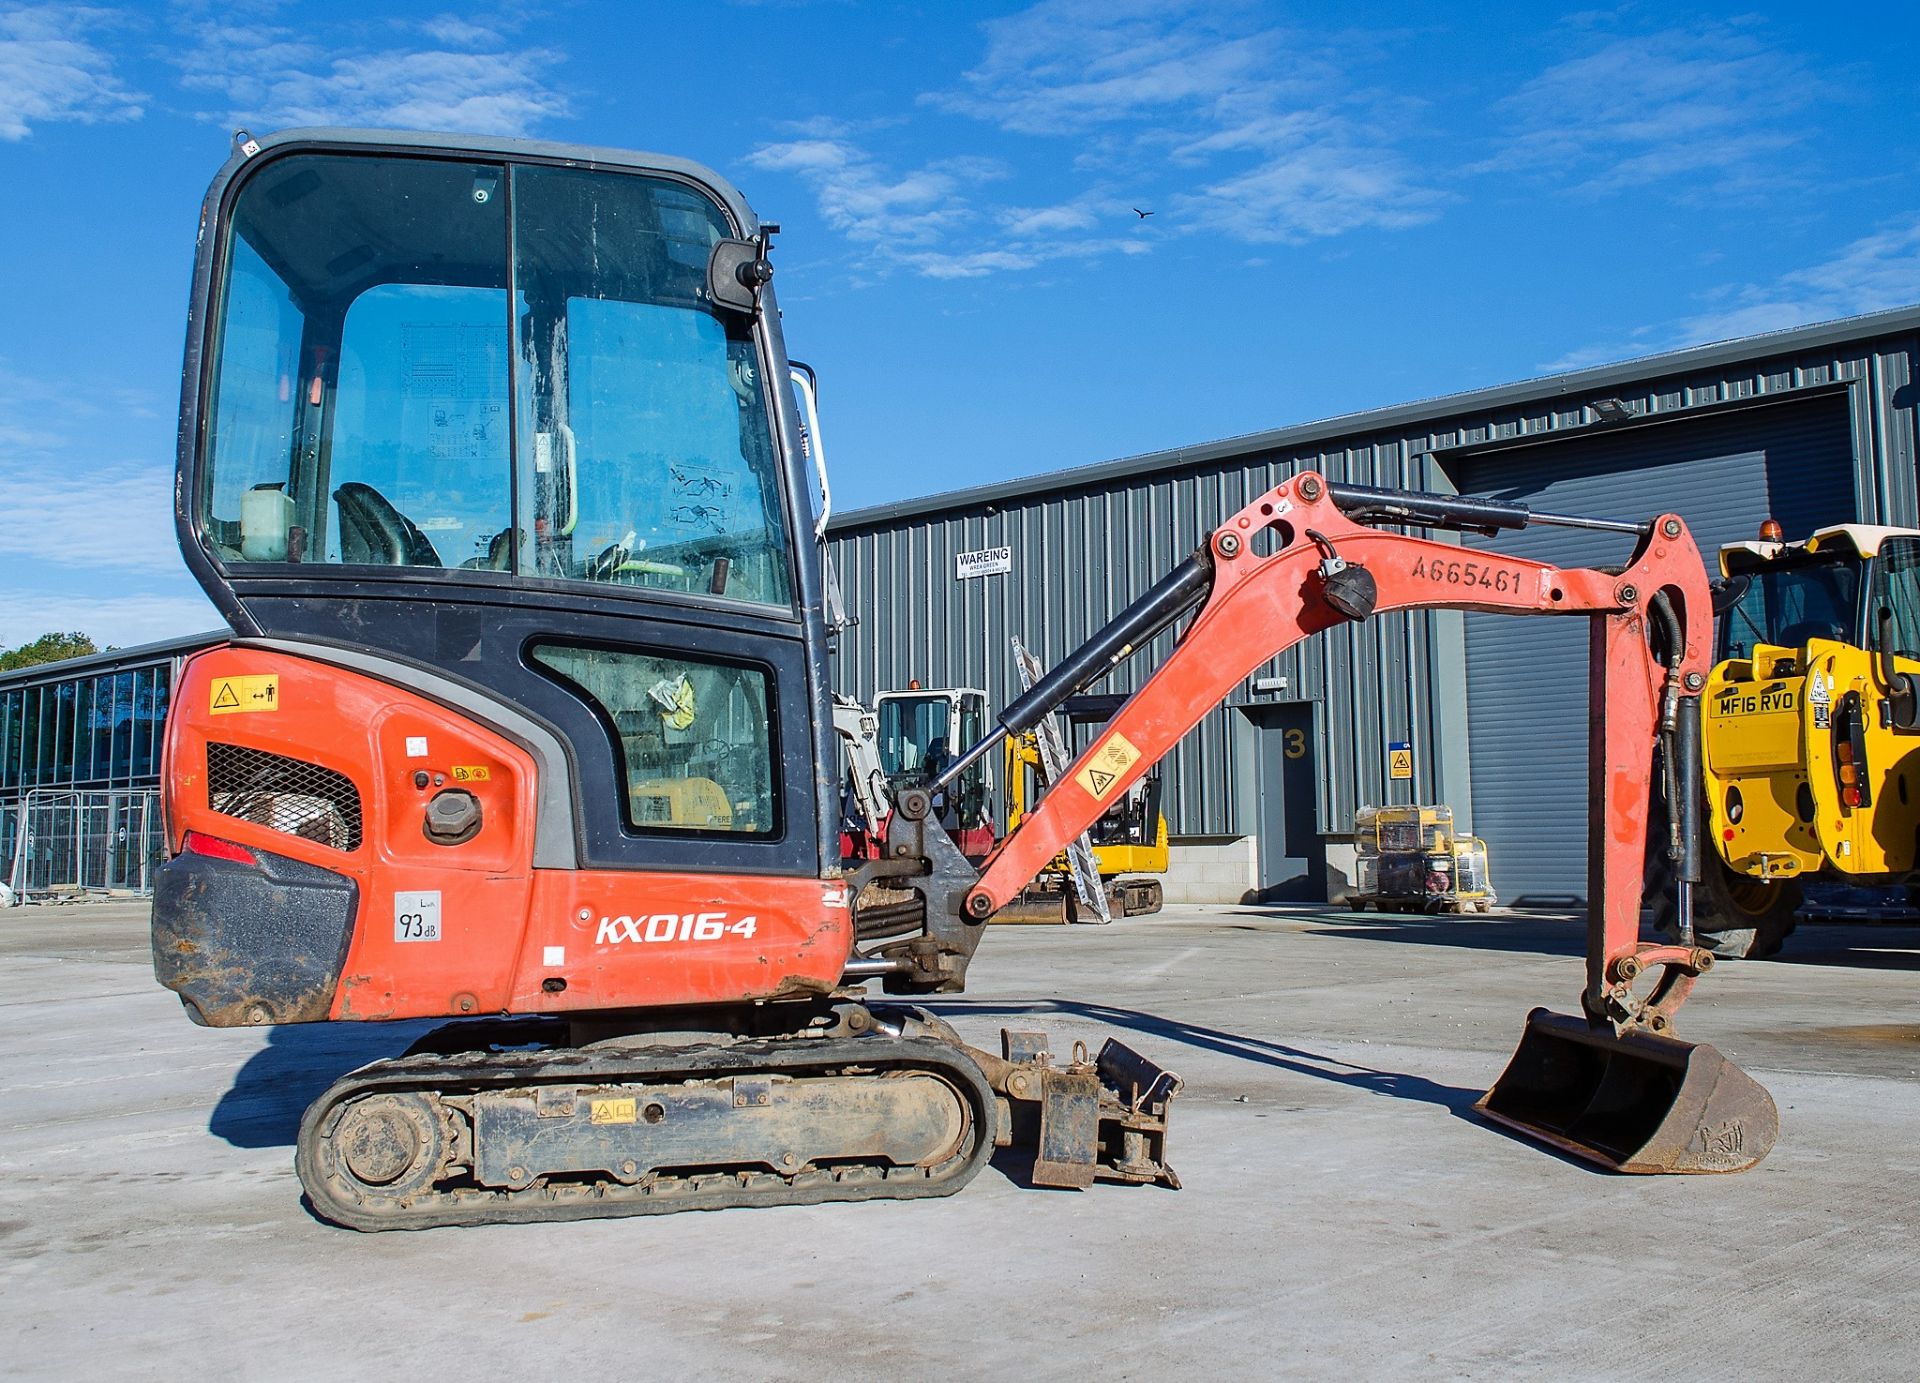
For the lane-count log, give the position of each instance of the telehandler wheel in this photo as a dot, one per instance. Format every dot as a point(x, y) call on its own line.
point(1735, 917)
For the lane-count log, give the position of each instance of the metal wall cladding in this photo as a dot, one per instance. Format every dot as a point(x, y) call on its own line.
point(1085, 542)
point(1080, 558)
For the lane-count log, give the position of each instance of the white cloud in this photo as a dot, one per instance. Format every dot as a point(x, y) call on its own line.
point(1291, 142)
point(1066, 66)
point(93, 516)
point(117, 617)
point(67, 504)
point(1308, 193)
point(457, 32)
point(910, 219)
point(1873, 273)
point(1713, 108)
point(1084, 213)
point(51, 70)
point(273, 76)
point(1190, 111)
point(865, 202)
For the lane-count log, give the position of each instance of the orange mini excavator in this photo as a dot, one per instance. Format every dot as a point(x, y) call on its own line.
point(492, 458)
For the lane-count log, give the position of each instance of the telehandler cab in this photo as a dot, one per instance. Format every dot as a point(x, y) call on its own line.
point(489, 457)
point(1812, 729)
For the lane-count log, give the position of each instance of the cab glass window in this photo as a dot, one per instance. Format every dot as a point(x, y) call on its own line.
point(694, 736)
point(372, 313)
point(1786, 603)
point(1898, 590)
point(359, 371)
point(916, 735)
point(646, 440)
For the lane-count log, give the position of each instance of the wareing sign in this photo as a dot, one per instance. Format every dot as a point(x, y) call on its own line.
point(988, 561)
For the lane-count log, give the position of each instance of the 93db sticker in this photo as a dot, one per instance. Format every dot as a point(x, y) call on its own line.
point(1106, 765)
point(416, 916)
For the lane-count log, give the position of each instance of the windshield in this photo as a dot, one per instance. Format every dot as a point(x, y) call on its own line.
point(1786, 603)
point(916, 735)
point(406, 373)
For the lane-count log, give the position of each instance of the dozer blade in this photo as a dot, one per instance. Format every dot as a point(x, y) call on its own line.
point(1634, 1103)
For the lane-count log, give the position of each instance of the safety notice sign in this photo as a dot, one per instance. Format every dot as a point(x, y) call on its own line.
point(989, 561)
point(232, 695)
point(1400, 759)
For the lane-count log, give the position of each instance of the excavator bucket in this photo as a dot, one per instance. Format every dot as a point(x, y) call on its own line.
point(1636, 1102)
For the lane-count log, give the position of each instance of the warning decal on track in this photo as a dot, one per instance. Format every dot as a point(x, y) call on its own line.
point(232, 695)
point(1106, 765)
point(614, 1111)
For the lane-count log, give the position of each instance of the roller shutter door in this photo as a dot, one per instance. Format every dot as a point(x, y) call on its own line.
point(1527, 678)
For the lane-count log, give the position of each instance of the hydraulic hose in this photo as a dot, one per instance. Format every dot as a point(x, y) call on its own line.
point(1680, 751)
point(1179, 591)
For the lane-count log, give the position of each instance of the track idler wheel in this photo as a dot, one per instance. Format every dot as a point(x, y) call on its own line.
point(1632, 1102)
point(389, 1145)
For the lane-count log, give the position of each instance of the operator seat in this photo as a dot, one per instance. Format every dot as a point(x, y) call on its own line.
point(374, 533)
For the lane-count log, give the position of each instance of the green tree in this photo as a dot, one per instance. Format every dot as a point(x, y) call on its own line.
point(48, 648)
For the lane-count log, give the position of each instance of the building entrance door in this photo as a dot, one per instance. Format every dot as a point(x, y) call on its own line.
point(1292, 864)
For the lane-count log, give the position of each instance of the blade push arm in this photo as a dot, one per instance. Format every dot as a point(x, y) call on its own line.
point(1322, 569)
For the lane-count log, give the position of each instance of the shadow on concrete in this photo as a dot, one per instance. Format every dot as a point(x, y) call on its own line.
point(1544, 934)
point(1397, 1085)
point(1816, 941)
point(262, 1108)
point(1394, 1084)
point(1888, 947)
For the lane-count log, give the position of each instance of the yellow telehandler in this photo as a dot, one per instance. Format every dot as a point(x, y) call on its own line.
point(1811, 731)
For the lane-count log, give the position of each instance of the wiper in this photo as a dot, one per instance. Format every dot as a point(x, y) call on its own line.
point(1759, 634)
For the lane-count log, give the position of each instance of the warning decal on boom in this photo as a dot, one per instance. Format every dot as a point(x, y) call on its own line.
point(1106, 765)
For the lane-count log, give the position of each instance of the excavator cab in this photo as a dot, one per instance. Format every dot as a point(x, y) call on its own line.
point(922, 730)
point(490, 460)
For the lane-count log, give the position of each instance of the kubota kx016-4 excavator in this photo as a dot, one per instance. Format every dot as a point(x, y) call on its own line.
point(488, 456)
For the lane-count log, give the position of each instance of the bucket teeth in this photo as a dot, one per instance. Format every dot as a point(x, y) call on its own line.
point(1636, 1102)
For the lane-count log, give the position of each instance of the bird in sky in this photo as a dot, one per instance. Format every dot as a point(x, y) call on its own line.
point(1143, 215)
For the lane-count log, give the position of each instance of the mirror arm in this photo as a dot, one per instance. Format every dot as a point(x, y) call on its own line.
point(1902, 704)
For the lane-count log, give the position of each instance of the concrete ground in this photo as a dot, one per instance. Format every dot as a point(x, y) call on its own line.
point(1343, 1214)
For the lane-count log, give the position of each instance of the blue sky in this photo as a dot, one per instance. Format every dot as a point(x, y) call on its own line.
point(1354, 205)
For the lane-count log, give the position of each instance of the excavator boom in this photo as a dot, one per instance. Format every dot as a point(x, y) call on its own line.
point(1302, 559)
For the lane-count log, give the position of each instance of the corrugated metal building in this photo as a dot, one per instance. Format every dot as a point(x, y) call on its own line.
point(1814, 425)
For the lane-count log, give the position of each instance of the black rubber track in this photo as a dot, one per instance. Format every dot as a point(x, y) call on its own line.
point(854, 1057)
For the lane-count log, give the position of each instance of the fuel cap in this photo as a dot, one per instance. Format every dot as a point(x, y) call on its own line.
point(453, 816)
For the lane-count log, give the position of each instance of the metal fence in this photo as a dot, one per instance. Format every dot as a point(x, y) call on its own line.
point(58, 843)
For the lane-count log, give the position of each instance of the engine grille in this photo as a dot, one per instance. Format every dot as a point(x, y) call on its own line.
point(286, 795)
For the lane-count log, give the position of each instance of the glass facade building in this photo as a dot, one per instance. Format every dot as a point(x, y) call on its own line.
point(88, 726)
point(91, 722)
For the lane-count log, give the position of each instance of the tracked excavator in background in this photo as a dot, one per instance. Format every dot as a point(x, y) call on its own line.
point(489, 457)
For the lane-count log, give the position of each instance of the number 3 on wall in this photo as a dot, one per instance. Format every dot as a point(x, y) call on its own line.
point(1295, 743)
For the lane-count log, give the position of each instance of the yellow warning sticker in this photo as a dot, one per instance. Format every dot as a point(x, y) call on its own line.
point(471, 773)
point(1399, 763)
point(233, 695)
point(1106, 765)
point(615, 1111)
